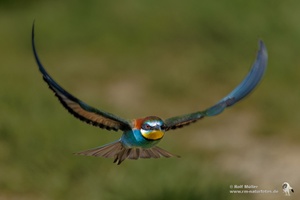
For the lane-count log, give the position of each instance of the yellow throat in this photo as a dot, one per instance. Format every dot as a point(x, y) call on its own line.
point(153, 134)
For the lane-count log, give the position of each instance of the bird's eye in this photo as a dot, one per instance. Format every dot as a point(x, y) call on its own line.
point(146, 127)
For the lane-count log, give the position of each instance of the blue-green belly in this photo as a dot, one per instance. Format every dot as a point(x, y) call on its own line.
point(134, 138)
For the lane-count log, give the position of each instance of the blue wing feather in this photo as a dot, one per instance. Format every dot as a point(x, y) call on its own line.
point(247, 85)
point(243, 89)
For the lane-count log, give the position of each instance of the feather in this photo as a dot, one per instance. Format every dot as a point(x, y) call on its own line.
point(77, 107)
point(243, 89)
point(120, 153)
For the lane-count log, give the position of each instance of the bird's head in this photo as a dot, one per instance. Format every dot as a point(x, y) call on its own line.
point(151, 128)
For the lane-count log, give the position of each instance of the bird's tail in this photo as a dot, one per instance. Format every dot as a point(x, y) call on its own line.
point(117, 151)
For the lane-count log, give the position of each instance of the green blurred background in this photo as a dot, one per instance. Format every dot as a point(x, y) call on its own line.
point(136, 58)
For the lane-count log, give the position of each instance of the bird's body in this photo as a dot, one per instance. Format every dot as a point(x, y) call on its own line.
point(139, 142)
point(140, 136)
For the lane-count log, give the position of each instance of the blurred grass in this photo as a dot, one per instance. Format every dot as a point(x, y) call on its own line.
point(136, 58)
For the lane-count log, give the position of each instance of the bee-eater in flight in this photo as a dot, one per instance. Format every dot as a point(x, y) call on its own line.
point(141, 136)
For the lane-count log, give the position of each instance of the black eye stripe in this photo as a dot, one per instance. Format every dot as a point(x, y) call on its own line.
point(153, 125)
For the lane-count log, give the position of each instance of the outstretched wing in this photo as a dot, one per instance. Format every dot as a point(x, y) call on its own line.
point(78, 108)
point(243, 89)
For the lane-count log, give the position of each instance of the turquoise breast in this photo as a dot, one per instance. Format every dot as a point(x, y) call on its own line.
point(134, 138)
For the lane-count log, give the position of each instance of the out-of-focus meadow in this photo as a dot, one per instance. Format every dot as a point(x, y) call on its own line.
point(138, 58)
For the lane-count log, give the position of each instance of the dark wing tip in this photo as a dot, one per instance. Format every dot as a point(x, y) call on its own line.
point(263, 52)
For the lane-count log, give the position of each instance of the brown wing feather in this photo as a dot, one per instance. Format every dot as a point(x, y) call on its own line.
point(90, 115)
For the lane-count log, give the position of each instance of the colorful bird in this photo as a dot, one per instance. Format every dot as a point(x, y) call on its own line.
point(140, 136)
